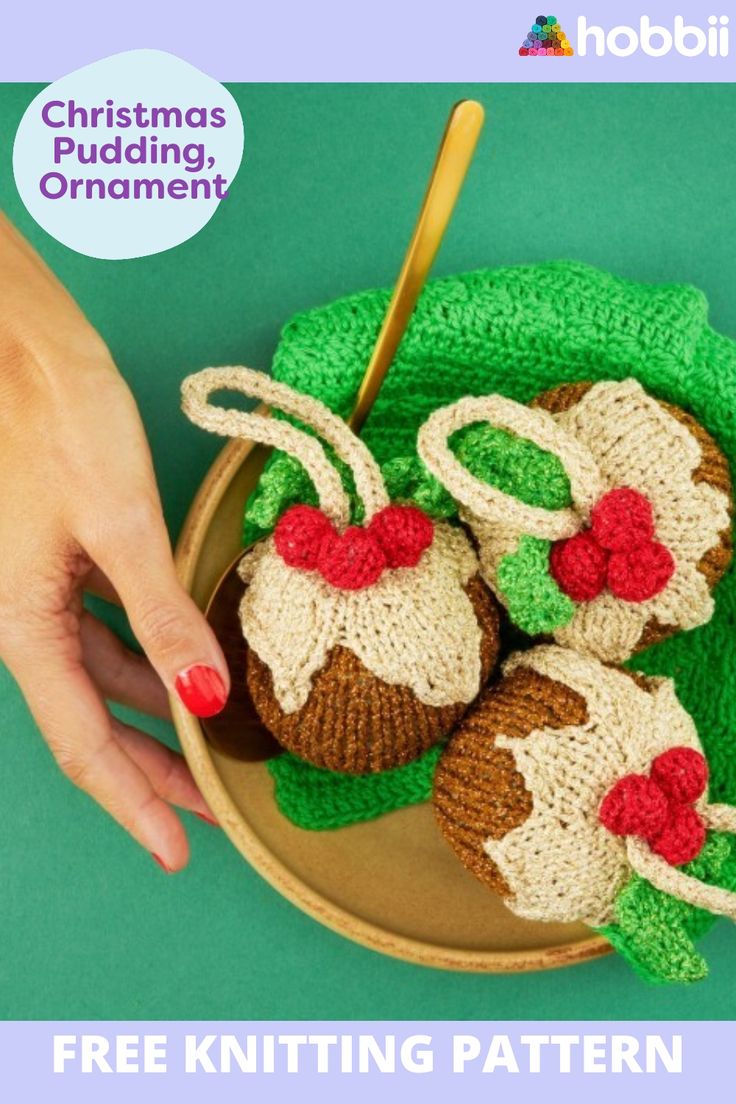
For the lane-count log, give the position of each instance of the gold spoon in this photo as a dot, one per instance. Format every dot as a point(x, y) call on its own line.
point(238, 730)
point(451, 165)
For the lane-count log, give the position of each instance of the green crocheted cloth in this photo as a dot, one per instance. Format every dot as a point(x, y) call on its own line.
point(519, 331)
point(319, 799)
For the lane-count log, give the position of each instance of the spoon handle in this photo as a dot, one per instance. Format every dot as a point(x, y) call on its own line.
point(453, 158)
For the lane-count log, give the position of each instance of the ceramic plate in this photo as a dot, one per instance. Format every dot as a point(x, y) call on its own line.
point(392, 884)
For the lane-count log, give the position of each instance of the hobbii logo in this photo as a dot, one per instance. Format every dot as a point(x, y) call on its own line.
point(656, 41)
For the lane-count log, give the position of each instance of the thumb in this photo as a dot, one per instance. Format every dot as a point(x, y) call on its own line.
point(170, 628)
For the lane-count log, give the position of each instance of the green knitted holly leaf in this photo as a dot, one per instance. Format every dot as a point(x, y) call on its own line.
point(535, 602)
point(285, 483)
point(407, 480)
point(318, 799)
point(655, 932)
point(513, 465)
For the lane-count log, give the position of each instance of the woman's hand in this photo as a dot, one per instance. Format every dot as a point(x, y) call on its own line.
point(80, 510)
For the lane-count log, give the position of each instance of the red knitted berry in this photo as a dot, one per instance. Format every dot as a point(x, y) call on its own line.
point(299, 534)
point(682, 773)
point(403, 532)
point(351, 560)
point(635, 806)
point(640, 574)
point(622, 520)
point(682, 839)
point(578, 566)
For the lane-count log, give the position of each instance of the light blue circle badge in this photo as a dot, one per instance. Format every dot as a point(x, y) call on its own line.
point(128, 156)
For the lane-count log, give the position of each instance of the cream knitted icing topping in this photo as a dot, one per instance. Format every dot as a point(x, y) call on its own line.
point(415, 627)
point(562, 864)
point(636, 443)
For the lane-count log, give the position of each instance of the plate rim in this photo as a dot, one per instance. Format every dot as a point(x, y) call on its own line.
point(196, 751)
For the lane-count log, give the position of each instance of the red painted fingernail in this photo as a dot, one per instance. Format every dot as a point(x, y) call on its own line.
point(202, 690)
point(207, 819)
point(161, 863)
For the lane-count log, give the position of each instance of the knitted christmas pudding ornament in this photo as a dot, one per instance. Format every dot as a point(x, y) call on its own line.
point(568, 780)
point(646, 536)
point(366, 644)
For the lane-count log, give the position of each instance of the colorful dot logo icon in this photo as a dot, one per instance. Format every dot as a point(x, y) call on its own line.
point(546, 39)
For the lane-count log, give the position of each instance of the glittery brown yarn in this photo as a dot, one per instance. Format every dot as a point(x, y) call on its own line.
point(713, 470)
point(654, 632)
point(354, 722)
point(478, 793)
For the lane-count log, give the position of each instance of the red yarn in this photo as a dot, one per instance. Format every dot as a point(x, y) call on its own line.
point(578, 566)
point(683, 838)
point(396, 537)
point(682, 773)
point(641, 573)
point(635, 806)
point(618, 551)
point(403, 532)
point(659, 808)
point(351, 560)
point(622, 520)
point(299, 534)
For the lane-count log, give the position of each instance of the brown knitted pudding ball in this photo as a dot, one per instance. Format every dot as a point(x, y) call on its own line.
point(366, 644)
point(567, 776)
point(647, 535)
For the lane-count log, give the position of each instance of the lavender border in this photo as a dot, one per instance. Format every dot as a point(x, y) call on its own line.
point(330, 40)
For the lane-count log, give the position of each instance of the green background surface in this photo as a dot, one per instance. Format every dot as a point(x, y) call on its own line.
point(635, 179)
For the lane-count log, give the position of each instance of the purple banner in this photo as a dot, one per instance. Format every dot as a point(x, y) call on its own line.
point(333, 1061)
point(386, 40)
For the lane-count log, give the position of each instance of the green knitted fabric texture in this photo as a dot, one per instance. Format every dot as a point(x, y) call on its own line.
point(535, 602)
point(656, 932)
point(319, 799)
point(519, 331)
point(515, 466)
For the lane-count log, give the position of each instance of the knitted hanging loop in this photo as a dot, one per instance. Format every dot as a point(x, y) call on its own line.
point(197, 389)
point(491, 505)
